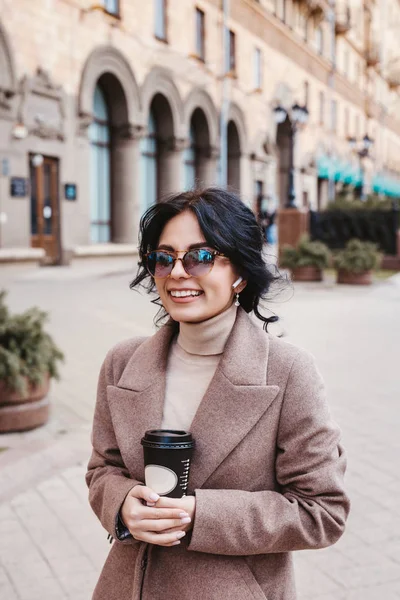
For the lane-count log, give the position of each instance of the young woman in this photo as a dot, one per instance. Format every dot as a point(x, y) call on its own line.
point(267, 473)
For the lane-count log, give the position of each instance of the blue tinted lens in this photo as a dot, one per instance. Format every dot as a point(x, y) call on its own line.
point(160, 264)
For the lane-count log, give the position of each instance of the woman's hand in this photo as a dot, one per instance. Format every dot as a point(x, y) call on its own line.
point(186, 504)
point(163, 526)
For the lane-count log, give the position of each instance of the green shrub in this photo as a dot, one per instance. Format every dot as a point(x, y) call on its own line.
point(306, 254)
point(358, 257)
point(371, 203)
point(27, 352)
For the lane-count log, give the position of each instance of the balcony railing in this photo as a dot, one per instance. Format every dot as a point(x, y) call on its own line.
point(343, 20)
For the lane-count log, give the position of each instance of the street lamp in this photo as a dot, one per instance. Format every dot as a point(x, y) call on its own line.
point(362, 148)
point(298, 115)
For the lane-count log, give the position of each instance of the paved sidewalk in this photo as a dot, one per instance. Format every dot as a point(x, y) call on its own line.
point(52, 547)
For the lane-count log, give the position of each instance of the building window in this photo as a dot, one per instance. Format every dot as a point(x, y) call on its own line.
point(111, 6)
point(257, 69)
point(100, 186)
point(319, 40)
point(231, 67)
point(200, 34)
point(259, 195)
point(346, 122)
point(333, 115)
point(306, 94)
point(321, 108)
point(160, 24)
point(346, 63)
point(284, 11)
point(357, 126)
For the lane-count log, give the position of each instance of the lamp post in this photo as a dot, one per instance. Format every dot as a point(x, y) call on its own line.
point(298, 116)
point(362, 149)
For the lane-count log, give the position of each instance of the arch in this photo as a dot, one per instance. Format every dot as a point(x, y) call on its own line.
point(284, 142)
point(159, 82)
point(8, 80)
point(200, 99)
point(234, 156)
point(236, 115)
point(107, 62)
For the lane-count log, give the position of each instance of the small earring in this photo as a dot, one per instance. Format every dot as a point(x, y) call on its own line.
point(237, 303)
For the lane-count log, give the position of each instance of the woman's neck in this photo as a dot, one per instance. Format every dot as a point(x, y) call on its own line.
point(208, 337)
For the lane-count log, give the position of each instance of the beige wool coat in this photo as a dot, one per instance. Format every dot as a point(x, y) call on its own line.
point(267, 471)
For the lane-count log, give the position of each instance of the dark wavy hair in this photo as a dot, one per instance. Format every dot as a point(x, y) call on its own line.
point(229, 226)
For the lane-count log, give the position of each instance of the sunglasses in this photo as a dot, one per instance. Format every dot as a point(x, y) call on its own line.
point(196, 263)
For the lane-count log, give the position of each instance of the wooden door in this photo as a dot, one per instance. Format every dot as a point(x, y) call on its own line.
point(45, 214)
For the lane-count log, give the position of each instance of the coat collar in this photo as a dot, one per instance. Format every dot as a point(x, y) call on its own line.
point(244, 361)
point(235, 400)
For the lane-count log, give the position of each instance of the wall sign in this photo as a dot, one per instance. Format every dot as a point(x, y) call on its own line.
point(70, 191)
point(18, 187)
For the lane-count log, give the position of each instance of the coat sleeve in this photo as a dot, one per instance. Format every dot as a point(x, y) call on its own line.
point(107, 477)
point(311, 507)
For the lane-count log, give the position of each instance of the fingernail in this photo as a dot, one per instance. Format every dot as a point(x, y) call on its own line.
point(185, 520)
point(180, 534)
point(154, 497)
point(151, 504)
point(175, 543)
point(182, 515)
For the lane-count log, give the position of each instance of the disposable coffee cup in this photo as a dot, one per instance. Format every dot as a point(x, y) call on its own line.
point(167, 457)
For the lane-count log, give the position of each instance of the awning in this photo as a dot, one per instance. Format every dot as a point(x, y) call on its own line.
point(339, 170)
point(382, 184)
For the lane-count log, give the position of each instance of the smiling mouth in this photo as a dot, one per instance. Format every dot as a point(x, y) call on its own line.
point(185, 293)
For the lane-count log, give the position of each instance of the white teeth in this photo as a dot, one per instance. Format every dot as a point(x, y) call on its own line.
point(184, 293)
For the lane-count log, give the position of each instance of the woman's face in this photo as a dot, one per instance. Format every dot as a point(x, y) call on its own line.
point(216, 292)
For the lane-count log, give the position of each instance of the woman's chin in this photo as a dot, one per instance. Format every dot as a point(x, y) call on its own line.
point(189, 312)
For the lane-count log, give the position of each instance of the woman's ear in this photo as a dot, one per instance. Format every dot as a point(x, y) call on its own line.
point(239, 285)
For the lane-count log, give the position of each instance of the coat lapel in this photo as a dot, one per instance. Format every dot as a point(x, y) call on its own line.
point(136, 403)
point(235, 400)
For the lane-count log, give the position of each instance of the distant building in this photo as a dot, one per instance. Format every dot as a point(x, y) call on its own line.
point(106, 105)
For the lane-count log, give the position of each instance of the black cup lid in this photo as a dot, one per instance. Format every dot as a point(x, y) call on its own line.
point(167, 436)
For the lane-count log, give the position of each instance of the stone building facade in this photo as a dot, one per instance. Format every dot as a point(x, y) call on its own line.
point(105, 105)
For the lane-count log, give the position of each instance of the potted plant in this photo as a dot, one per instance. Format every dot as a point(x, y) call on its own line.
point(28, 360)
point(354, 264)
point(307, 260)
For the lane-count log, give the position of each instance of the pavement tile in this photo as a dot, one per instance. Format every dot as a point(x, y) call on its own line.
point(367, 576)
point(8, 592)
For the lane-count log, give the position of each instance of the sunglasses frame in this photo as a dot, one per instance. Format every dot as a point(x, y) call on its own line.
point(214, 253)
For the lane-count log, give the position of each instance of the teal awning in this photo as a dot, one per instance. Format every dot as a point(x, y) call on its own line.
point(339, 170)
point(388, 186)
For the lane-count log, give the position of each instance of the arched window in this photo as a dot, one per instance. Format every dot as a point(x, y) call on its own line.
point(234, 153)
point(148, 171)
point(100, 193)
point(189, 161)
point(319, 39)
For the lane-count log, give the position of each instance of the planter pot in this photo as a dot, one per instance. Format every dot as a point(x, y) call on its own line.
point(307, 274)
point(350, 278)
point(21, 413)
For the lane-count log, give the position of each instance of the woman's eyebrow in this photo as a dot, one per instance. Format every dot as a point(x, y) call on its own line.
point(191, 247)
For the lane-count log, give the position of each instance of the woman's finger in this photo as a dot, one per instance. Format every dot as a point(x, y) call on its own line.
point(144, 493)
point(162, 539)
point(162, 524)
point(145, 512)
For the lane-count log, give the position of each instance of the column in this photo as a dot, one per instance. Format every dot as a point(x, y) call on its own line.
point(125, 184)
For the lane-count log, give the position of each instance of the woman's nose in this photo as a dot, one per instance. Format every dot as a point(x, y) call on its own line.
point(178, 272)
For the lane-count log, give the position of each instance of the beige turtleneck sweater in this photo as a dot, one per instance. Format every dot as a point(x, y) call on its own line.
point(192, 362)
